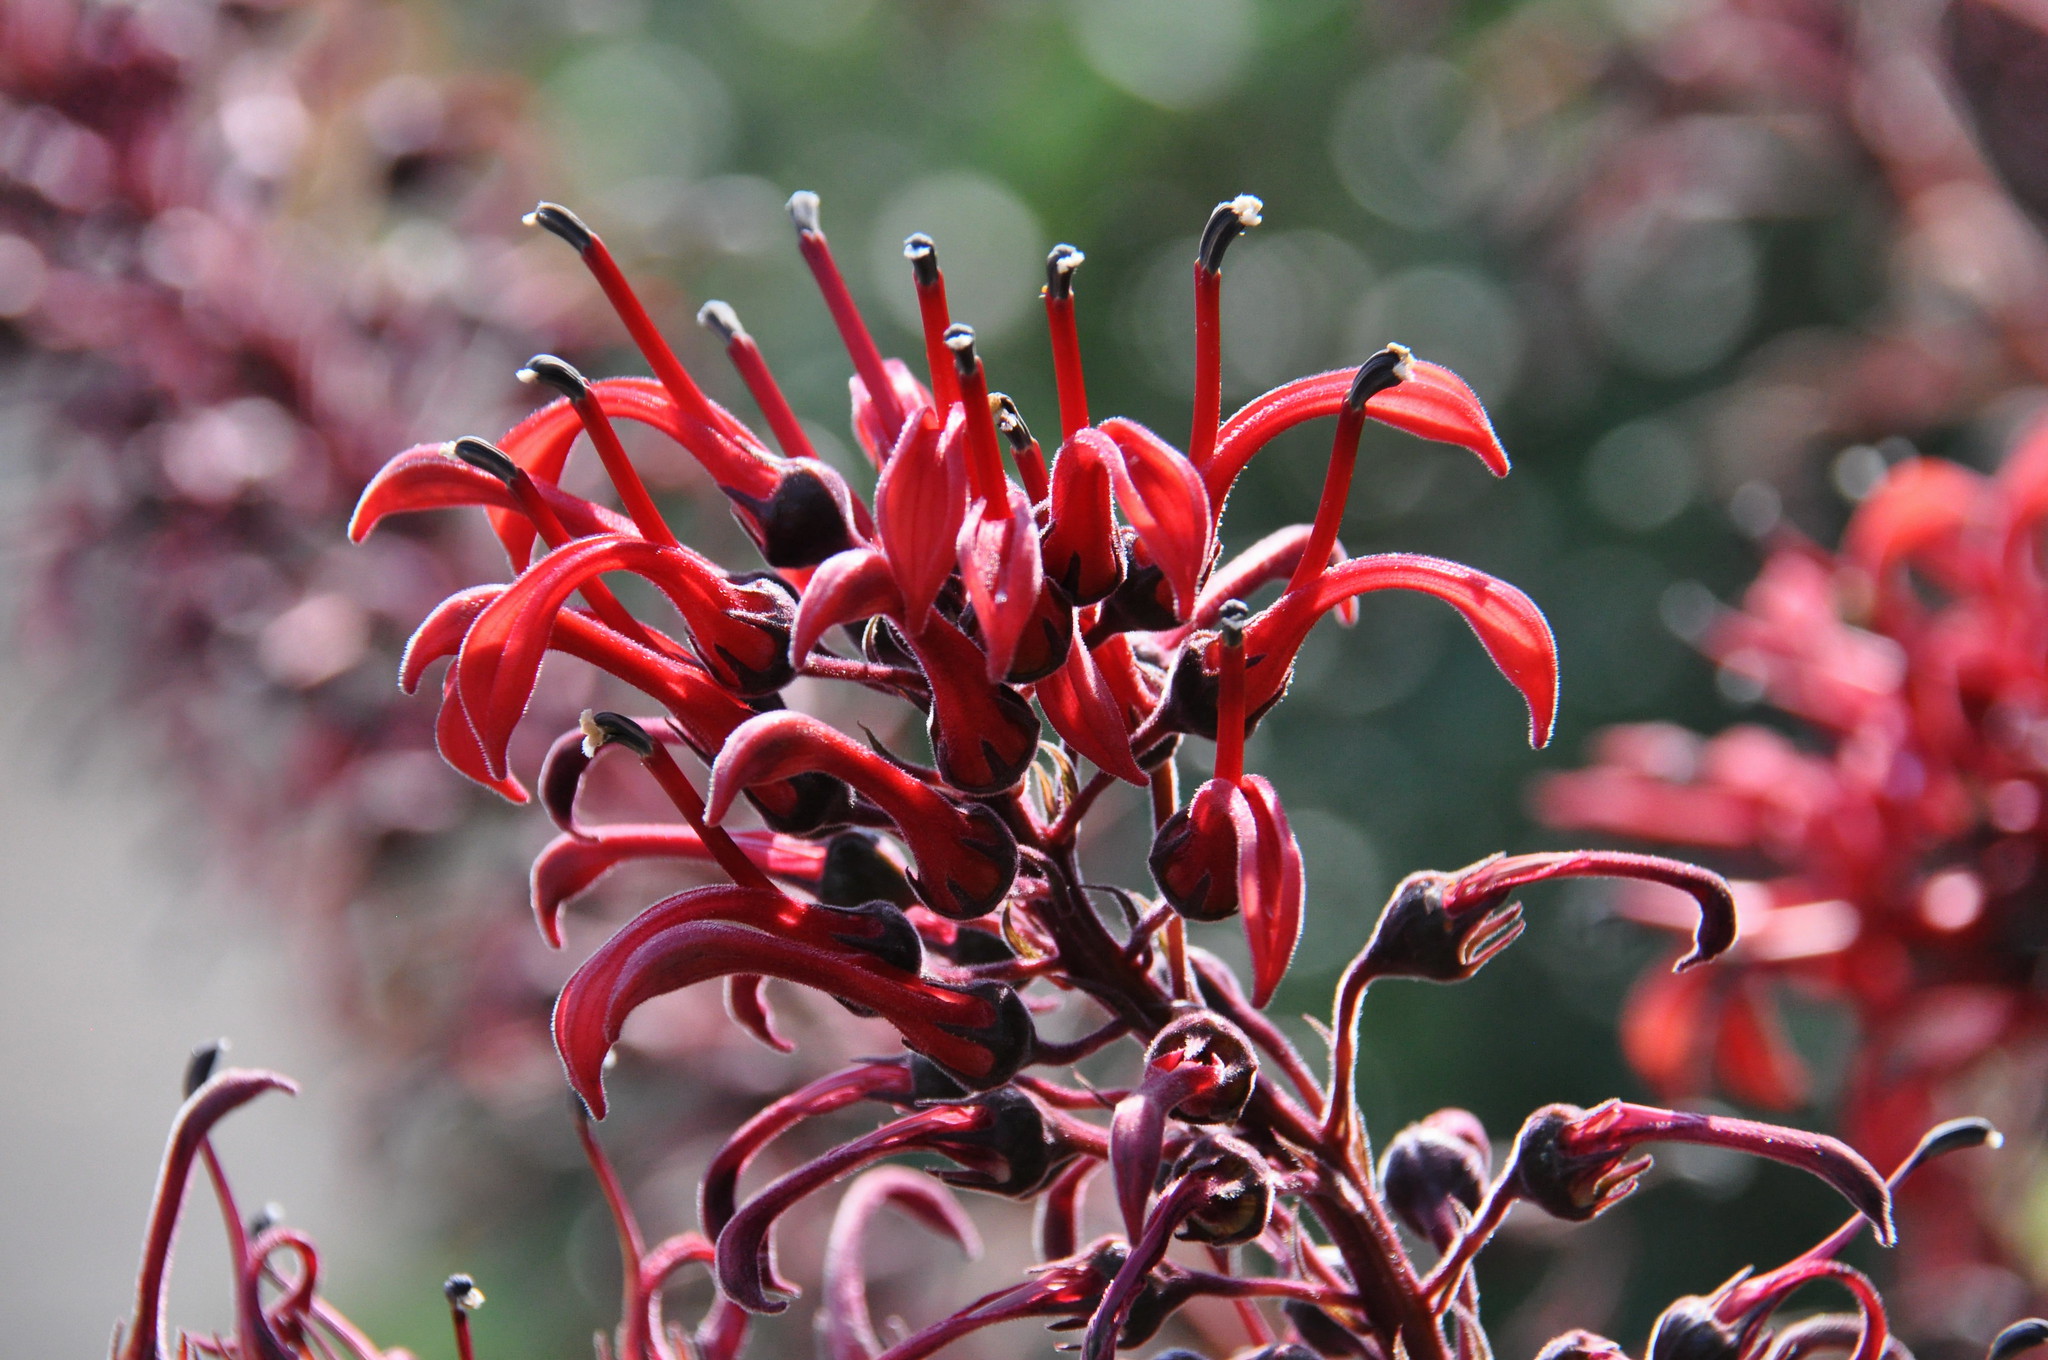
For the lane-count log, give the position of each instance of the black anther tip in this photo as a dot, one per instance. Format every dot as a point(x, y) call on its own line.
point(601, 728)
point(1231, 618)
point(959, 338)
point(1059, 271)
point(1226, 223)
point(923, 255)
point(1010, 421)
point(200, 1067)
point(563, 223)
point(485, 456)
point(1390, 367)
point(559, 374)
point(2018, 1337)
point(722, 321)
point(803, 211)
point(462, 1293)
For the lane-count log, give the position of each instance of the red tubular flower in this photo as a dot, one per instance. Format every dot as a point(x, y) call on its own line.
point(569, 864)
point(849, 1329)
point(740, 630)
point(869, 956)
point(1575, 1163)
point(1507, 623)
point(1431, 402)
point(1000, 1139)
point(966, 857)
point(983, 736)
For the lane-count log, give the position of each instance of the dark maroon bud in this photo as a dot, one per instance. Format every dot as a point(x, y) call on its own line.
point(881, 929)
point(1388, 368)
point(923, 255)
point(970, 946)
point(1417, 937)
point(1010, 1155)
point(1579, 1344)
point(2019, 1337)
point(1325, 1335)
point(1059, 271)
point(1147, 1314)
point(200, 1067)
point(1433, 1166)
point(1239, 1191)
point(485, 456)
point(1194, 860)
point(775, 621)
point(1227, 222)
point(882, 645)
point(1008, 1038)
point(858, 869)
point(462, 1293)
point(1564, 1185)
point(800, 523)
point(1207, 1039)
point(1143, 601)
point(931, 1084)
point(563, 223)
point(1689, 1330)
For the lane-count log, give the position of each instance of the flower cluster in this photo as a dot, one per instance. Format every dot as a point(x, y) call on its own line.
point(1894, 861)
point(1085, 594)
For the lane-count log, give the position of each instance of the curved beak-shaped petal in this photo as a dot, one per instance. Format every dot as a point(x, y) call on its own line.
point(1164, 500)
point(441, 632)
point(966, 857)
point(1199, 1067)
point(427, 477)
point(1082, 708)
point(1272, 558)
point(1269, 888)
point(1431, 402)
point(223, 1093)
point(740, 630)
point(856, 584)
point(893, 1080)
point(849, 1330)
point(983, 736)
point(1507, 623)
point(998, 552)
point(1000, 1137)
point(570, 864)
point(1575, 1163)
point(456, 740)
point(869, 956)
point(920, 504)
point(1482, 886)
point(1081, 548)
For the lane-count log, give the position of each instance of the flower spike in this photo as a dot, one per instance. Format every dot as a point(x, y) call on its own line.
point(966, 856)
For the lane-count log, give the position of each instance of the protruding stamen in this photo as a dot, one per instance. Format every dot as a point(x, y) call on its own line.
point(1230, 625)
point(200, 1067)
point(1227, 222)
point(853, 332)
point(984, 462)
point(935, 317)
point(564, 378)
point(601, 729)
point(485, 456)
point(563, 223)
point(463, 1298)
point(722, 321)
point(1388, 368)
point(1066, 340)
point(923, 255)
point(647, 338)
point(1024, 450)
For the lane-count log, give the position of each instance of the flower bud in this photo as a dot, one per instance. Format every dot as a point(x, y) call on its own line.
point(1432, 1167)
point(1239, 1191)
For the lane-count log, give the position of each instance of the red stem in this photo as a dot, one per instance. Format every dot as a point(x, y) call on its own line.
point(1336, 489)
point(932, 311)
point(1230, 712)
point(984, 460)
point(668, 369)
point(767, 393)
point(632, 491)
point(1208, 366)
point(1066, 364)
point(731, 858)
point(853, 332)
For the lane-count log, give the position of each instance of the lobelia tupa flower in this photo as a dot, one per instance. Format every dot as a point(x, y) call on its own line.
point(1893, 866)
point(948, 901)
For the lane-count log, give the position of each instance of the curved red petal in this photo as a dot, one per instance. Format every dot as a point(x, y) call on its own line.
point(1082, 708)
